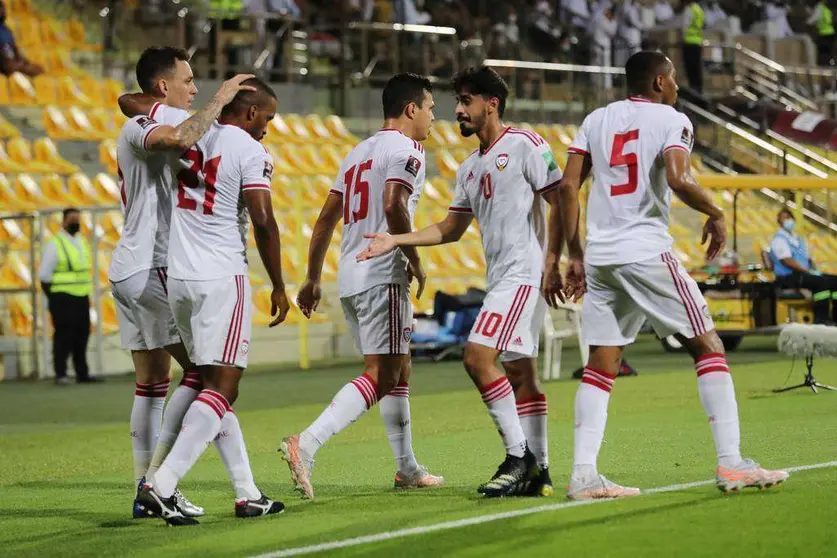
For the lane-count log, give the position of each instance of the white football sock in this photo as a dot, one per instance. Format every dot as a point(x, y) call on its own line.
point(532, 414)
point(233, 451)
point(717, 395)
point(176, 409)
point(146, 415)
point(591, 402)
point(498, 396)
point(395, 410)
point(354, 399)
point(200, 426)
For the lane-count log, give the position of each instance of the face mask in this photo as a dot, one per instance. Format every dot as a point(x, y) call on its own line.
point(73, 228)
point(788, 224)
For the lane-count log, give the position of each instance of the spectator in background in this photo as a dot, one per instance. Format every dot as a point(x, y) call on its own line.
point(776, 16)
point(576, 13)
point(629, 31)
point(504, 39)
point(822, 19)
point(67, 282)
point(12, 59)
point(361, 10)
point(543, 32)
point(794, 269)
point(603, 28)
point(663, 12)
point(692, 25)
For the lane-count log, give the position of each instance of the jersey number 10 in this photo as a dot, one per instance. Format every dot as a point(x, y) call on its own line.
point(359, 187)
point(189, 178)
point(620, 159)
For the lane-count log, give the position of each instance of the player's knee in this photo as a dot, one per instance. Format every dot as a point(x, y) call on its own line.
point(474, 362)
point(704, 344)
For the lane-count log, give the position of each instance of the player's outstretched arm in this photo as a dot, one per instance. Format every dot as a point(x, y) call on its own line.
point(266, 233)
point(685, 187)
point(309, 294)
point(449, 230)
point(577, 169)
point(396, 197)
point(185, 134)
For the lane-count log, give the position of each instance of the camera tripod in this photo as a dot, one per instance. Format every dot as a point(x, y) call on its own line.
point(809, 381)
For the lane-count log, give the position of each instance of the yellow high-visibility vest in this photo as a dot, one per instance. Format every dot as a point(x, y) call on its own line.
point(72, 273)
point(825, 24)
point(225, 8)
point(693, 35)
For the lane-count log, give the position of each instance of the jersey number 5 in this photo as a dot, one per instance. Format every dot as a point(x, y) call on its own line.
point(361, 188)
point(189, 178)
point(620, 159)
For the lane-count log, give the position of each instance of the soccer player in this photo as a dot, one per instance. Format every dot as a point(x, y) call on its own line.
point(228, 177)
point(376, 190)
point(500, 184)
point(639, 150)
point(138, 266)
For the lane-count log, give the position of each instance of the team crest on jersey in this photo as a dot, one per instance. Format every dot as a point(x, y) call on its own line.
point(268, 170)
point(413, 166)
point(145, 122)
point(408, 333)
point(501, 161)
point(245, 348)
point(687, 137)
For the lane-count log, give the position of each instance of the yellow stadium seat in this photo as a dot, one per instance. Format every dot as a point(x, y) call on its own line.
point(46, 89)
point(10, 200)
point(278, 131)
point(20, 315)
point(447, 163)
point(104, 123)
point(4, 90)
point(47, 152)
point(296, 158)
point(30, 192)
point(84, 127)
point(54, 189)
point(111, 90)
point(339, 131)
point(297, 127)
point(7, 164)
point(57, 125)
point(333, 155)
point(20, 152)
point(81, 188)
point(21, 90)
point(70, 94)
point(28, 32)
point(318, 128)
point(19, 8)
point(106, 190)
point(14, 273)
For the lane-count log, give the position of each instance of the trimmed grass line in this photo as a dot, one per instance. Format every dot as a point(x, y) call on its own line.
point(477, 520)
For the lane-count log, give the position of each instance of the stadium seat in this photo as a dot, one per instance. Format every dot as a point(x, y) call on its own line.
point(21, 90)
point(81, 188)
point(57, 125)
point(106, 189)
point(20, 315)
point(107, 155)
point(84, 127)
point(7, 164)
point(14, 273)
point(318, 129)
point(298, 128)
point(46, 89)
point(54, 189)
point(26, 189)
point(447, 163)
point(338, 130)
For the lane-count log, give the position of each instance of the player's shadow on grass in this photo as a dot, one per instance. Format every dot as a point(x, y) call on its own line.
point(74, 484)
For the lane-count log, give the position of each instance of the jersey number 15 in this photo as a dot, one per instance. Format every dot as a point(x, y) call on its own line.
point(620, 159)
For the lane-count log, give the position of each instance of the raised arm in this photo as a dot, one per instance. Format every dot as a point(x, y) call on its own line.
point(184, 135)
point(448, 230)
point(685, 187)
point(309, 294)
point(266, 233)
point(135, 104)
point(397, 215)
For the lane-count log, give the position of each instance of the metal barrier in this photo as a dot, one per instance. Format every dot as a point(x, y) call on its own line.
point(40, 335)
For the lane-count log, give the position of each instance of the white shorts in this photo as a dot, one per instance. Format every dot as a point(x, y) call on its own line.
point(510, 321)
point(214, 319)
point(621, 297)
point(143, 312)
point(380, 319)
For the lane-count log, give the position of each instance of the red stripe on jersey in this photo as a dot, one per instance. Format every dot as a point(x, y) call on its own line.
point(460, 209)
point(577, 150)
point(549, 187)
point(675, 147)
point(401, 181)
point(335, 192)
point(493, 143)
point(639, 100)
point(534, 138)
point(153, 110)
point(255, 187)
point(145, 137)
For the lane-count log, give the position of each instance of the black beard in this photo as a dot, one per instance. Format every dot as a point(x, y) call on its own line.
point(466, 132)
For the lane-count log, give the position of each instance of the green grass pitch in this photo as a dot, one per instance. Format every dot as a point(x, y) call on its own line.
point(66, 489)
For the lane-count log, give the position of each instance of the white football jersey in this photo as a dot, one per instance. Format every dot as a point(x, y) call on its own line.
point(145, 184)
point(629, 201)
point(209, 219)
point(388, 156)
point(501, 188)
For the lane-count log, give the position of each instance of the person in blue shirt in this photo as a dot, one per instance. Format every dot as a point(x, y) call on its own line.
point(11, 59)
point(794, 268)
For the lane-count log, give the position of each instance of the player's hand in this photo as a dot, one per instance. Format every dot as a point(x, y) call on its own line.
point(309, 297)
point(552, 287)
point(417, 272)
point(382, 243)
point(715, 230)
point(279, 303)
point(575, 284)
point(231, 87)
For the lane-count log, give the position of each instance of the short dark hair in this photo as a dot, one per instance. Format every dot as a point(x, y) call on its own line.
point(243, 100)
point(784, 211)
point(482, 81)
point(67, 211)
point(401, 90)
point(642, 68)
point(154, 61)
